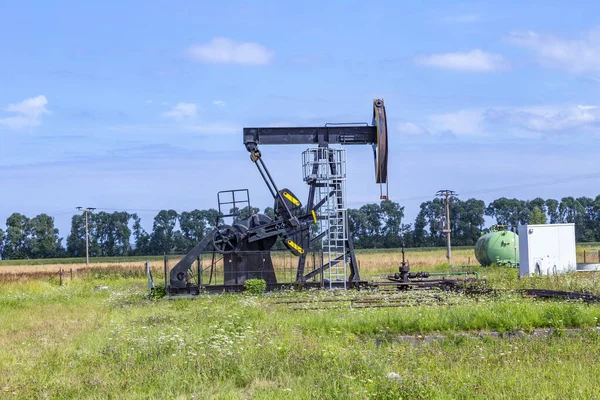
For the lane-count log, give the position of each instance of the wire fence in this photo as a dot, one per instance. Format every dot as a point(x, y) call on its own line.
point(62, 275)
point(209, 269)
point(591, 256)
point(233, 269)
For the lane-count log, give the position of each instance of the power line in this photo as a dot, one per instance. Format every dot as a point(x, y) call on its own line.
point(518, 186)
point(542, 183)
point(130, 210)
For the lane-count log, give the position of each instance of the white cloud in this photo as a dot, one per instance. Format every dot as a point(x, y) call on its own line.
point(219, 103)
point(578, 56)
point(28, 113)
point(408, 128)
point(186, 117)
point(182, 111)
point(462, 122)
point(222, 50)
point(548, 119)
point(539, 120)
point(472, 61)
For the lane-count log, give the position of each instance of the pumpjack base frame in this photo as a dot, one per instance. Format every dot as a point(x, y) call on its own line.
point(193, 291)
point(443, 283)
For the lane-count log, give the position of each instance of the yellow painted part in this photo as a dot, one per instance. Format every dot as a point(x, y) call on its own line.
point(291, 198)
point(314, 215)
point(295, 246)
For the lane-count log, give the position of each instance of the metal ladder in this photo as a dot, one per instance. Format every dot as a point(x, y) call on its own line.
point(327, 167)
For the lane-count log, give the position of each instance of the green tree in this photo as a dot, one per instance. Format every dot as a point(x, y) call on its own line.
point(140, 236)
point(537, 216)
point(120, 234)
point(377, 225)
point(213, 219)
point(76, 238)
point(356, 226)
point(44, 241)
point(243, 213)
point(552, 210)
point(588, 220)
point(368, 222)
point(510, 212)
point(572, 211)
point(433, 212)
point(392, 230)
point(1, 243)
point(17, 243)
point(596, 218)
point(420, 238)
point(539, 203)
point(163, 229)
point(193, 227)
point(407, 235)
point(466, 221)
point(109, 233)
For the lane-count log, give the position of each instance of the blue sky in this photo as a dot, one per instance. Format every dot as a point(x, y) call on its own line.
point(140, 106)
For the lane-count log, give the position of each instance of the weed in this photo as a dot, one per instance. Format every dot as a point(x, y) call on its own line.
point(255, 286)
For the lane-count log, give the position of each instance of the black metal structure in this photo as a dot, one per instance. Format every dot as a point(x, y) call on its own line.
point(344, 134)
point(243, 197)
point(247, 243)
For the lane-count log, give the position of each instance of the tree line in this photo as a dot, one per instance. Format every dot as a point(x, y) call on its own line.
point(372, 226)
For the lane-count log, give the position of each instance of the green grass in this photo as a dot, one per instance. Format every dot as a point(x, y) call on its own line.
point(589, 244)
point(74, 341)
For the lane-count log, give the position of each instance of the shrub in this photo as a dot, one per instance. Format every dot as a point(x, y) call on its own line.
point(255, 286)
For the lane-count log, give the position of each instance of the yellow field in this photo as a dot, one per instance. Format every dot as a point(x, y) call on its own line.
point(284, 263)
point(391, 260)
point(4, 269)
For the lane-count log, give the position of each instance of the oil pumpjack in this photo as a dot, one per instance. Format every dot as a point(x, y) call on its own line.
point(245, 245)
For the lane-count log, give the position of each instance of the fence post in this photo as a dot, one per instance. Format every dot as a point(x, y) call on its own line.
point(166, 261)
point(60, 272)
point(199, 274)
point(150, 279)
point(71, 272)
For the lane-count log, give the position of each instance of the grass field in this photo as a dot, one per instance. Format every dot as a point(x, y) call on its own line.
point(80, 340)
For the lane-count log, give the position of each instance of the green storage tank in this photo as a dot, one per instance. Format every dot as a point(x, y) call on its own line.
point(498, 246)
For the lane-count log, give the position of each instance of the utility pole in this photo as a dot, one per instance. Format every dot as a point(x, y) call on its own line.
point(86, 211)
point(447, 194)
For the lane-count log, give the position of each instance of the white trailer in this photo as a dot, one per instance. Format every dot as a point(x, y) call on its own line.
point(547, 249)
